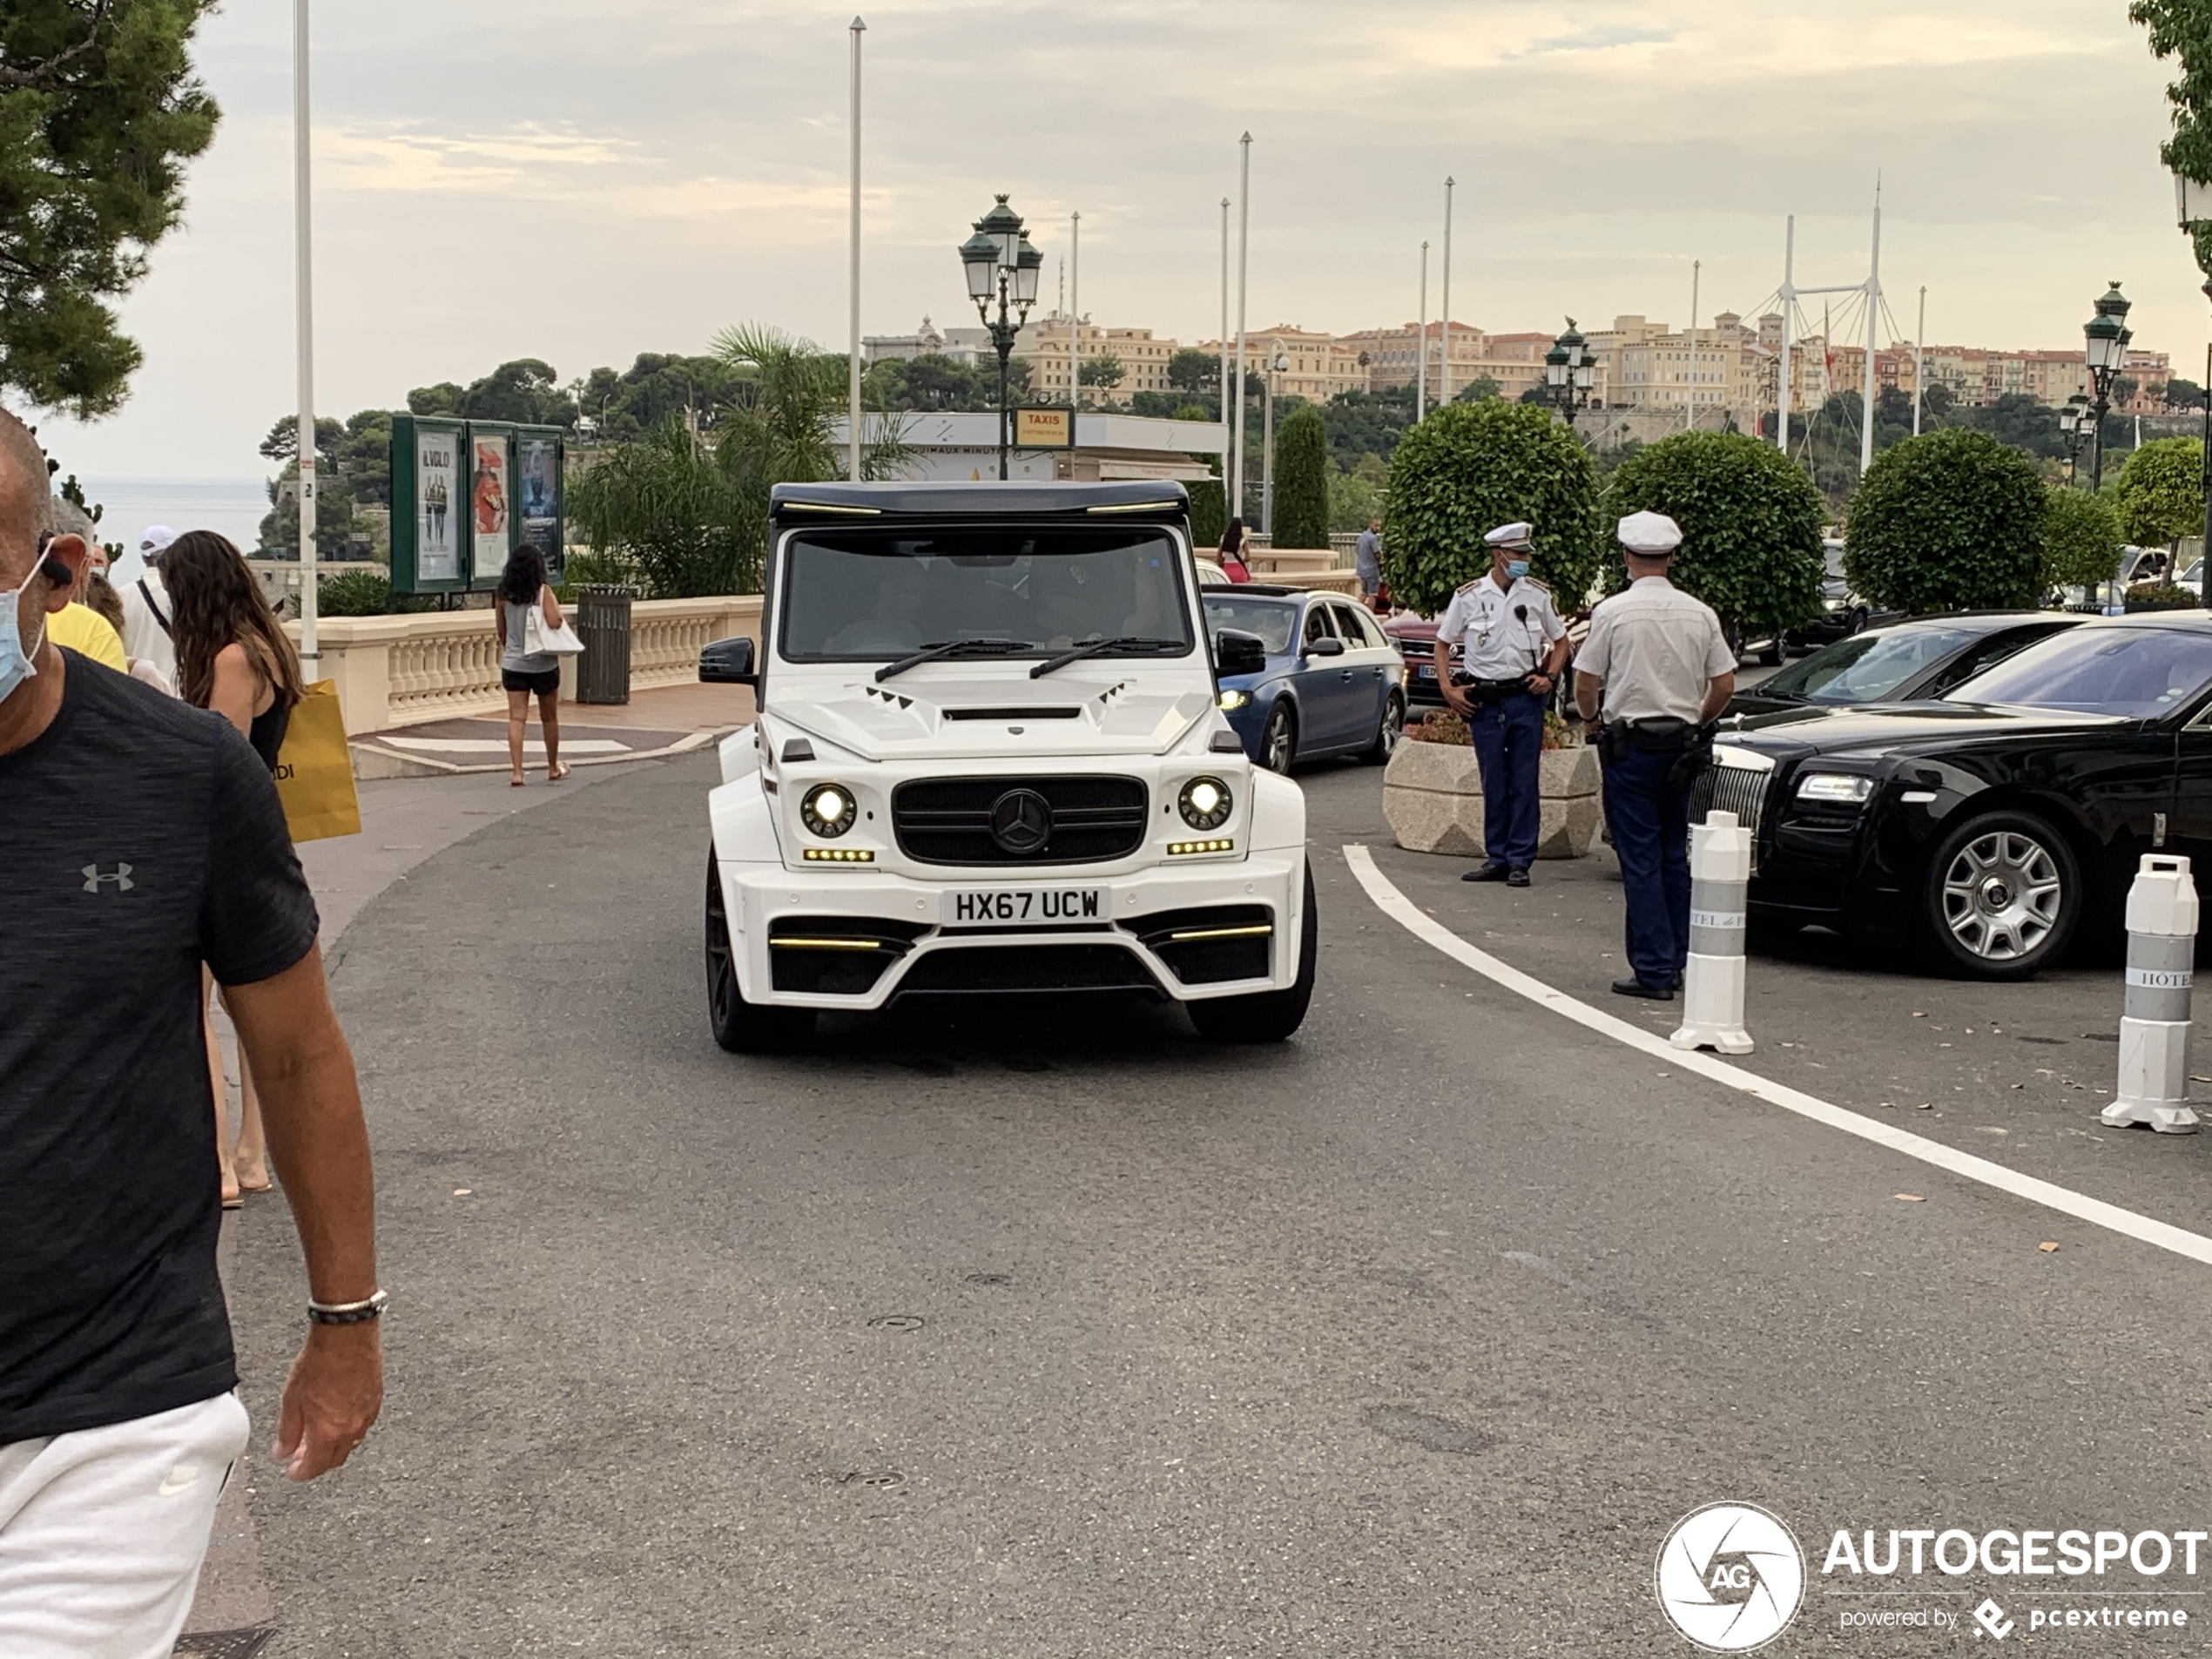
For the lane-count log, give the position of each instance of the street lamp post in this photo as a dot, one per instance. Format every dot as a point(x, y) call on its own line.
point(2105, 350)
point(1569, 372)
point(1274, 366)
point(2073, 427)
point(999, 259)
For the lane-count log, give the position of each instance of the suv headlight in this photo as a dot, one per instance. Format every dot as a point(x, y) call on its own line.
point(827, 810)
point(1205, 803)
point(1835, 788)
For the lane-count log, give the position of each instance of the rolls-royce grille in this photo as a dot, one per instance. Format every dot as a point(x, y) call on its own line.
point(1741, 790)
point(1019, 821)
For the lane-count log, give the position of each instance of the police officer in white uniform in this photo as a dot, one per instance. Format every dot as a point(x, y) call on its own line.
point(1513, 643)
point(1659, 662)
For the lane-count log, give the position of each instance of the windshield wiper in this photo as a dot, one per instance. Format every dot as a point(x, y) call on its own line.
point(951, 648)
point(1126, 642)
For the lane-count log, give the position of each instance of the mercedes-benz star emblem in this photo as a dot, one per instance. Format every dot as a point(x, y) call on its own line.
point(1021, 822)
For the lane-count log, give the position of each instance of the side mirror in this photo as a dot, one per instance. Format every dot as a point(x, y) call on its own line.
point(1325, 648)
point(728, 662)
point(1237, 652)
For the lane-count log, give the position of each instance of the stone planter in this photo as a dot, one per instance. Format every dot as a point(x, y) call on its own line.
point(1433, 797)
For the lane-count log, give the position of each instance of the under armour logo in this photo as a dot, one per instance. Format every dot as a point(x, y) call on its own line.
point(121, 877)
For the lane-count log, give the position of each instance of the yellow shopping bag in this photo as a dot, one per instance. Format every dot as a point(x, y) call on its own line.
point(314, 775)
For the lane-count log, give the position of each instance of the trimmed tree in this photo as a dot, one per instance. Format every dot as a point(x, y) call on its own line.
point(2160, 497)
point(1208, 514)
point(1750, 524)
point(1302, 481)
point(2080, 539)
point(1952, 520)
point(1470, 467)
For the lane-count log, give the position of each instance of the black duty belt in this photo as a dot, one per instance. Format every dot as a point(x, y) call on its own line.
point(1495, 691)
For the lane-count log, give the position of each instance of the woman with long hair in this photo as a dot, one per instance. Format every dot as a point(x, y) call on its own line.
point(523, 672)
point(1232, 552)
point(233, 657)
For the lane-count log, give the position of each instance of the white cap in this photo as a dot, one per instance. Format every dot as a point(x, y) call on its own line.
point(1514, 535)
point(1653, 535)
point(155, 539)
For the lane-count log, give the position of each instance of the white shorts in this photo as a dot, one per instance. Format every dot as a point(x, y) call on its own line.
point(102, 1532)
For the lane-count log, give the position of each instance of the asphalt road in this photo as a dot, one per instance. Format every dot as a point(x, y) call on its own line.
point(1066, 1333)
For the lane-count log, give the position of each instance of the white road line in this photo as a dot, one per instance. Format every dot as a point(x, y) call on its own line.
point(1406, 913)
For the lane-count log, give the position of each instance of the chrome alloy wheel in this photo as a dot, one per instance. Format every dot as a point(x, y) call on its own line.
point(1278, 745)
point(2002, 895)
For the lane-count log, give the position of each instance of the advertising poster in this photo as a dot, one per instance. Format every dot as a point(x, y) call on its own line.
point(487, 507)
point(541, 504)
point(437, 533)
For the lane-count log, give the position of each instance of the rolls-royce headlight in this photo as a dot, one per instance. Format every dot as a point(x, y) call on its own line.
point(1233, 700)
point(827, 810)
point(1205, 803)
point(1835, 788)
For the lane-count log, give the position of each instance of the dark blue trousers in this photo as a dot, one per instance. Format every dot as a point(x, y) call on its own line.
point(1508, 737)
point(1650, 825)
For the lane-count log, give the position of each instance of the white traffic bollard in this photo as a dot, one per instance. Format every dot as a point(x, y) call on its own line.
point(1712, 987)
point(2154, 1014)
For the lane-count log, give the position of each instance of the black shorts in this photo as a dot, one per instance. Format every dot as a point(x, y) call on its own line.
point(544, 685)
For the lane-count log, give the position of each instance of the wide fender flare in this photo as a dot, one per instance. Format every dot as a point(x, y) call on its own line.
point(1278, 812)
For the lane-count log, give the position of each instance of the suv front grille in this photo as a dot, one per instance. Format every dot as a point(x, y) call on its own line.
point(948, 820)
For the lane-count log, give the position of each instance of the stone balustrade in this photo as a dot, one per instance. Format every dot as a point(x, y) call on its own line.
point(396, 671)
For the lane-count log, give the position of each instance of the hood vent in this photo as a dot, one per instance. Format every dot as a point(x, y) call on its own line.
point(1012, 714)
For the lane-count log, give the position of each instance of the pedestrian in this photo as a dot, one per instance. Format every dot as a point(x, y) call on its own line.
point(1512, 644)
point(523, 672)
point(144, 839)
point(146, 629)
point(75, 626)
point(1658, 666)
point(235, 658)
point(1366, 561)
point(1232, 552)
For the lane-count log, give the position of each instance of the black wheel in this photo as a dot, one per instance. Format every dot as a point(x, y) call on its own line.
point(1771, 657)
point(1279, 740)
point(1857, 624)
point(1268, 1016)
point(739, 1026)
point(1387, 734)
point(2002, 896)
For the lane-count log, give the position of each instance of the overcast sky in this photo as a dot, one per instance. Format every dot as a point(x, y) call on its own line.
point(581, 180)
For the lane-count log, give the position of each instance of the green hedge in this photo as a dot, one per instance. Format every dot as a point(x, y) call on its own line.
point(1750, 524)
point(2162, 596)
point(1208, 514)
point(1468, 468)
point(2160, 497)
point(1302, 479)
point(1952, 520)
point(2080, 539)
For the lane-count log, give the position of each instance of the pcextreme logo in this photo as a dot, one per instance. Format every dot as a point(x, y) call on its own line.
point(1730, 1577)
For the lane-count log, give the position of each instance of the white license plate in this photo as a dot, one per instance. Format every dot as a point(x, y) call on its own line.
point(1014, 907)
point(1427, 670)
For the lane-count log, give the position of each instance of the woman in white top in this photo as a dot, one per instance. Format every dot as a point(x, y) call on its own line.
point(525, 673)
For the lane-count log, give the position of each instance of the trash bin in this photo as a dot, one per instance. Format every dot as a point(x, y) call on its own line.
point(602, 623)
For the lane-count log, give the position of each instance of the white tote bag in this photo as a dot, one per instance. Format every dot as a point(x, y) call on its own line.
point(541, 640)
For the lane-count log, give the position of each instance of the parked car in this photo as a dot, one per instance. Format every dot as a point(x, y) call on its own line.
point(989, 758)
point(1331, 684)
point(1923, 658)
point(1844, 612)
point(1415, 638)
point(1210, 574)
point(1989, 825)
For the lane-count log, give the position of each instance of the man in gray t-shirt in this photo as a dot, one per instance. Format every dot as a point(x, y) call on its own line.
point(1366, 559)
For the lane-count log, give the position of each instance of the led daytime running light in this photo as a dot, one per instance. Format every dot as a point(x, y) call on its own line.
point(838, 855)
point(1179, 849)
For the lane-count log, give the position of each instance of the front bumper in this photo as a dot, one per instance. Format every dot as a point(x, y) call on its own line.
point(860, 940)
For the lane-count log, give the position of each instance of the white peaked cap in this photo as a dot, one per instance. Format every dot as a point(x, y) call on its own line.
point(1649, 533)
point(1514, 535)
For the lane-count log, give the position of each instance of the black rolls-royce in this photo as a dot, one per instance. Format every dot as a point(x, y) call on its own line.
point(1991, 825)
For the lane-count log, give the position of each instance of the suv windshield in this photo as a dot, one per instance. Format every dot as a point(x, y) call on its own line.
point(1864, 668)
point(1272, 619)
point(2138, 673)
point(863, 595)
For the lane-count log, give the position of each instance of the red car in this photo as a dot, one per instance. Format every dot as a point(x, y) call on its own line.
point(1416, 642)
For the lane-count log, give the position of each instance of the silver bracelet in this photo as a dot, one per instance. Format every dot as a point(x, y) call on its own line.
point(347, 1313)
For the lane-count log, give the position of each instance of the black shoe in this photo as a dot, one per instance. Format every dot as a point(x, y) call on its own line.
point(1634, 987)
point(1516, 878)
point(1489, 873)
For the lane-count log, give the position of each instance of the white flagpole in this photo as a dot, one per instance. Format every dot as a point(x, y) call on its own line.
point(1444, 366)
point(303, 251)
point(852, 360)
point(1074, 327)
point(1224, 322)
point(1244, 273)
point(1420, 357)
point(1690, 396)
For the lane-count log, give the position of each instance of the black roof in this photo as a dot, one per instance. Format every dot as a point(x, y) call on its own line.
point(1972, 622)
point(830, 502)
point(1253, 590)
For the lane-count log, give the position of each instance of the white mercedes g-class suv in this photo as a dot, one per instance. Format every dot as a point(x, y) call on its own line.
point(990, 758)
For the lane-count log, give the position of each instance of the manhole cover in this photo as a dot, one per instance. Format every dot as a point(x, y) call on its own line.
point(990, 1278)
point(898, 1322)
point(225, 1644)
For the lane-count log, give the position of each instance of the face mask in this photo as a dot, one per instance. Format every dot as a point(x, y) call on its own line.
point(15, 664)
point(1516, 568)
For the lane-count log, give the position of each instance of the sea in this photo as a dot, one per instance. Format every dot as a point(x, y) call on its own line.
point(234, 506)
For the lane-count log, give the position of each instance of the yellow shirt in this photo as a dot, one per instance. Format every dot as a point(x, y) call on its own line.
point(89, 634)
